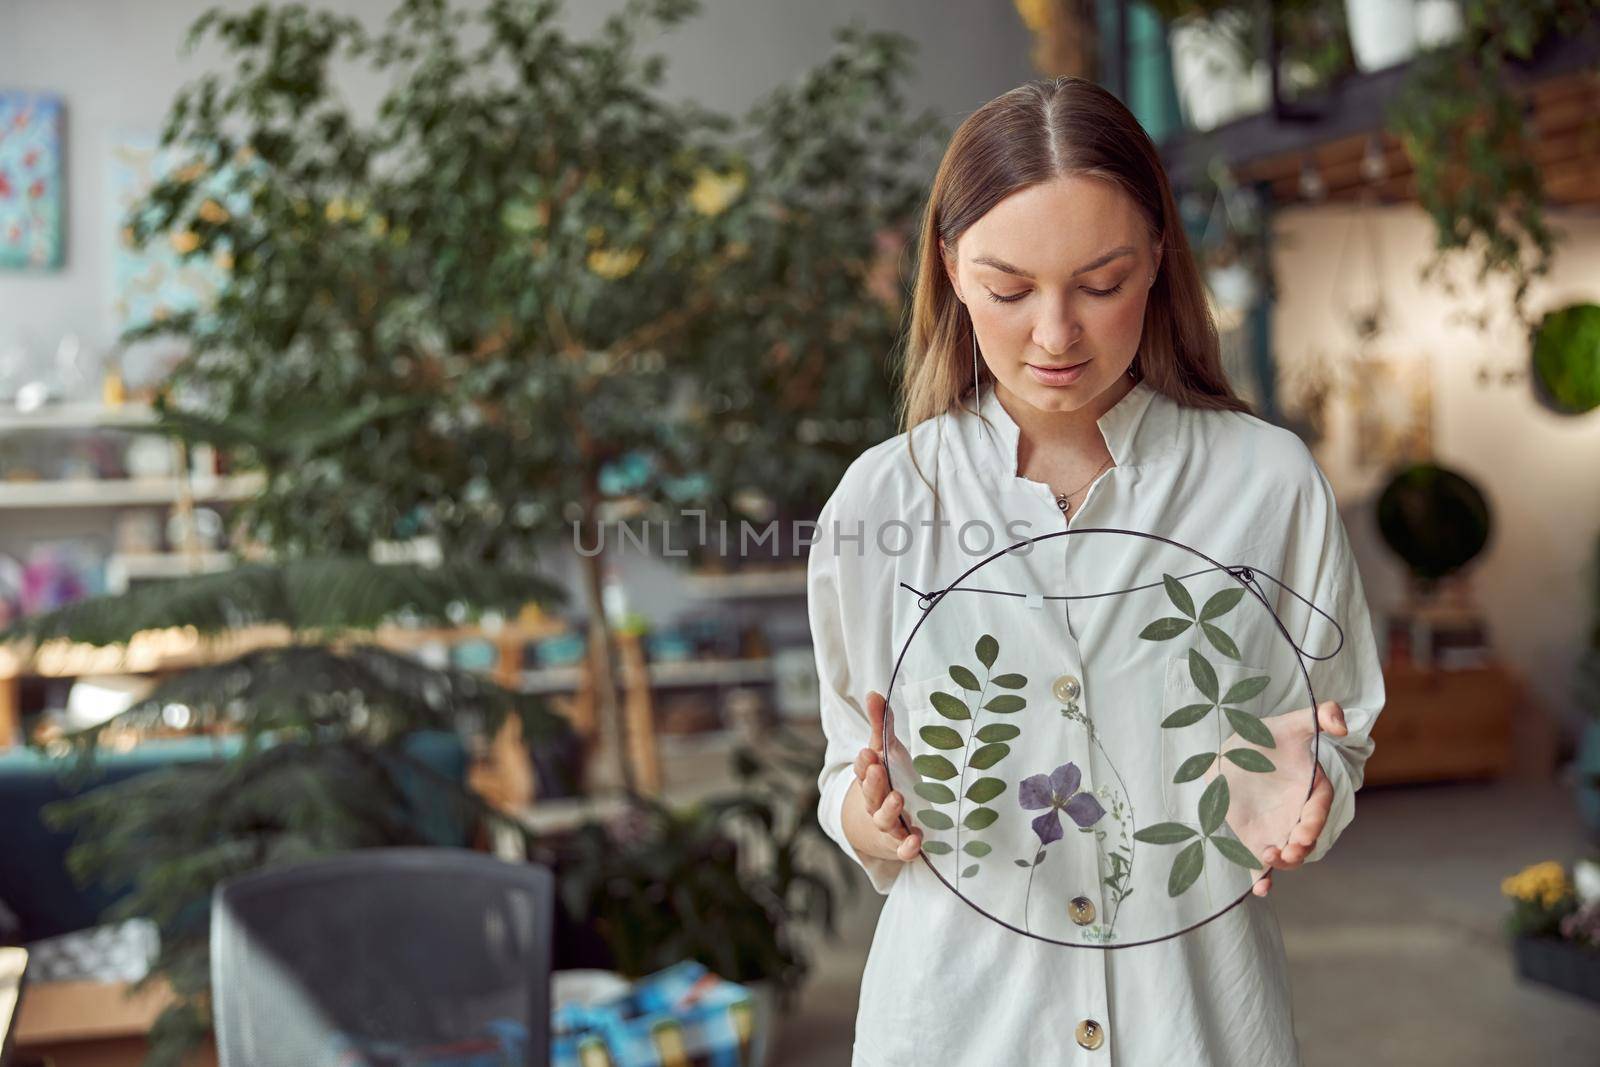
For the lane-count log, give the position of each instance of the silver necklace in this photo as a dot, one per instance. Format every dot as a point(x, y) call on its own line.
point(1064, 500)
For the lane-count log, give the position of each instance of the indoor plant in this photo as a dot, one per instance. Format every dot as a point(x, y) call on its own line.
point(529, 269)
point(325, 745)
point(1556, 934)
point(732, 881)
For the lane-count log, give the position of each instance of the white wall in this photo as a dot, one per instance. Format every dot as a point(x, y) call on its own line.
point(1540, 471)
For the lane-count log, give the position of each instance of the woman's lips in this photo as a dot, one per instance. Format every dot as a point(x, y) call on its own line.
point(1064, 376)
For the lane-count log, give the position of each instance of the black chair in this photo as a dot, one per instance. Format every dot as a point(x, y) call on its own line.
point(384, 957)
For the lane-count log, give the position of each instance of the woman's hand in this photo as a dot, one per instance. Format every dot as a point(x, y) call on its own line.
point(873, 821)
point(1256, 814)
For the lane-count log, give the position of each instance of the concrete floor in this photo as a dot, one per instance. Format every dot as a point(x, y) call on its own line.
point(1394, 940)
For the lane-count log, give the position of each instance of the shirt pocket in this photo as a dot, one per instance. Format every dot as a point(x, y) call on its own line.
point(1196, 722)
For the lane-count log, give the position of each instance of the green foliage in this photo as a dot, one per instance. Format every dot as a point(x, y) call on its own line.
point(728, 881)
point(1462, 123)
point(449, 317)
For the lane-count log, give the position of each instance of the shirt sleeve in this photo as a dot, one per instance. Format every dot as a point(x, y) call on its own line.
point(840, 676)
point(1353, 676)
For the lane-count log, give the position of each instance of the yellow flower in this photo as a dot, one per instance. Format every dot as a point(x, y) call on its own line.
point(622, 197)
point(613, 264)
point(712, 193)
point(223, 259)
point(335, 210)
point(378, 225)
point(185, 242)
point(211, 211)
point(1544, 884)
point(191, 173)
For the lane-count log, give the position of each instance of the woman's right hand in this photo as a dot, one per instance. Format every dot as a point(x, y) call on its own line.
point(872, 811)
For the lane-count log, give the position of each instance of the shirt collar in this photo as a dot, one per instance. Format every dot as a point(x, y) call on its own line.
point(1138, 429)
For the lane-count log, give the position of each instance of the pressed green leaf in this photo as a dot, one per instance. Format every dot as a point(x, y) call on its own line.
point(1179, 595)
point(998, 731)
point(1213, 805)
point(1220, 639)
point(1221, 603)
point(1006, 704)
point(1204, 675)
point(1165, 629)
point(1024, 864)
point(934, 767)
point(1246, 688)
point(948, 706)
point(987, 649)
point(964, 678)
point(1250, 760)
point(1193, 767)
point(1187, 715)
point(1009, 681)
point(988, 756)
point(1163, 833)
point(970, 871)
point(935, 819)
point(937, 848)
point(1235, 851)
point(978, 818)
point(1186, 867)
point(941, 737)
point(976, 848)
point(1039, 858)
point(1250, 728)
point(985, 789)
point(939, 794)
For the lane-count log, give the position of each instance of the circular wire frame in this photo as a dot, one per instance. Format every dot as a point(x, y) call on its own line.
point(965, 678)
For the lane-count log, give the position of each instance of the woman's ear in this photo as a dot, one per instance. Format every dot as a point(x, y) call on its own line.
point(950, 271)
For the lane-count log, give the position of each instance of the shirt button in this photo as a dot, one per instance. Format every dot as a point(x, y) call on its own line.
point(1066, 689)
point(1082, 910)
point(1091, 1035)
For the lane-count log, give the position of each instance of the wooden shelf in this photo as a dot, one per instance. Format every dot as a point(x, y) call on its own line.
point(1438, 725)
point(123, 492)
point(75, 416)
point(787, 581)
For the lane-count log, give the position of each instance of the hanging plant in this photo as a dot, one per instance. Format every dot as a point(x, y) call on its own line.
point(1566, 359)
point(1462, 124)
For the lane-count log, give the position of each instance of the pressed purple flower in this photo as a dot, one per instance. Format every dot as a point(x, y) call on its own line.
point(1058, 792)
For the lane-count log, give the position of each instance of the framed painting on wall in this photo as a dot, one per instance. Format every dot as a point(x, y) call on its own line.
point(30, 180)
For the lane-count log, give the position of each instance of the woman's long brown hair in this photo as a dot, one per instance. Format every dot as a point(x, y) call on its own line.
point(1037, 132)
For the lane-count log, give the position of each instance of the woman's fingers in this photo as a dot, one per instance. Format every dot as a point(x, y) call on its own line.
point(874, 787)
point(910, 846)
point(887, 817)
point(864, 759)
point(1330, 717)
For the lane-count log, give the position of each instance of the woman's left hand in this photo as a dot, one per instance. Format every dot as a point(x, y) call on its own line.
point(1270, 811)
point(1313, 816)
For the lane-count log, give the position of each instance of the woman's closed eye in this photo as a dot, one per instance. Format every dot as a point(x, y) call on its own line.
point(1012, 299)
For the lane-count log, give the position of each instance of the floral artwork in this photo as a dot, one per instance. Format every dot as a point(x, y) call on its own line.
point(31, 199)
point(165, 277)
point(1105, 779)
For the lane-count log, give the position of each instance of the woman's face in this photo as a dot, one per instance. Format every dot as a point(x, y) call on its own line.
point(1056, 277)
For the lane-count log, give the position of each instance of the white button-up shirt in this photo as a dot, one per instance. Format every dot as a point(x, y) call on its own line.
point(1045, 723)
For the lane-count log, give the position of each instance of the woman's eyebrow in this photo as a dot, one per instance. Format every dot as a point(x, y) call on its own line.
point(1100, 261)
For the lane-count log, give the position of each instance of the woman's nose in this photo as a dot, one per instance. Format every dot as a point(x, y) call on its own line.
point(1057, 328)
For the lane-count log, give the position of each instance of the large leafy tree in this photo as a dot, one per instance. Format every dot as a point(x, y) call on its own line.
point(463, 315)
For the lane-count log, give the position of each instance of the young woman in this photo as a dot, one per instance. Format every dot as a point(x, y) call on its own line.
point(1061, 373)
